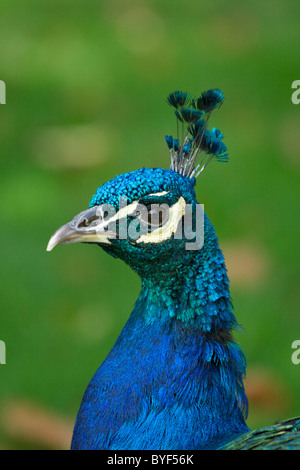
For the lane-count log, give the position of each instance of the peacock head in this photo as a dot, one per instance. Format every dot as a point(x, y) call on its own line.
point(150, 217)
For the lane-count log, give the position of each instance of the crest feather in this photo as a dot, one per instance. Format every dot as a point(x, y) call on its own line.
point(198, 145)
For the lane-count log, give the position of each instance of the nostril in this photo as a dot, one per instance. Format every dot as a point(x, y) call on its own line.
point(83, 223)
point(87, 222)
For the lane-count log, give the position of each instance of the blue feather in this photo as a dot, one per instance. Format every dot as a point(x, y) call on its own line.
point(178, 99)
point(209, 100)
point(191, 115)
point(175, 144)
point(169, 141)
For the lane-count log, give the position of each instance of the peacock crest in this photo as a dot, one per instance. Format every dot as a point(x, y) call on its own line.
point(198, 145)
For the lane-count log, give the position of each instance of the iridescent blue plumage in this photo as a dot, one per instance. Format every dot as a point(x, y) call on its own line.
point(174, 378)
point(157, 387)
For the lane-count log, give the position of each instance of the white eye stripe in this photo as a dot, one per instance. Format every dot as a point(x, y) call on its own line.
point(130, 209)
point(160, 194)
point(161, 234)
point(127, 210)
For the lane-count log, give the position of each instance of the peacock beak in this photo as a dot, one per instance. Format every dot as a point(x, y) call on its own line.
point(88, 226)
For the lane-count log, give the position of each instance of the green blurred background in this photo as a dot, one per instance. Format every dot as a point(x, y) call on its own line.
point(86, 88)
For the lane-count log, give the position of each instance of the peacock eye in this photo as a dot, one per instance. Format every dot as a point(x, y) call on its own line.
point(153, 215)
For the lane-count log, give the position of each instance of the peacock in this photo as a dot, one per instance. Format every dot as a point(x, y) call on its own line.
point(174, 379)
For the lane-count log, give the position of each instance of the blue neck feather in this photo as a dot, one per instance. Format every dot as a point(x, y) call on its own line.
point(174, 378)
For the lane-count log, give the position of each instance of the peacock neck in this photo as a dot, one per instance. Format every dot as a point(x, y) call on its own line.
point(191, 309)
point(179, 380)
point(186, 359)
point(194, 288)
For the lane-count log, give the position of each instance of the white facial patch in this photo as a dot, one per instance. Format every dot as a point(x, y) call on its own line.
point(156, 235)
point(176, 212)
point(160, 194)
point(124, 212)
point(128, 210)
point(100, 235)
